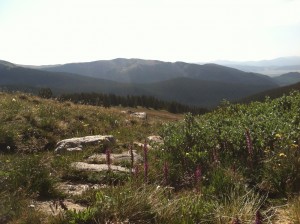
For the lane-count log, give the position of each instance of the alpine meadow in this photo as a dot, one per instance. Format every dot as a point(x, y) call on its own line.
point(150, 112)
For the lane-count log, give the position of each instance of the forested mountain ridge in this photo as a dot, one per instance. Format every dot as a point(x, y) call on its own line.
point(150, 71)
point(288, 78)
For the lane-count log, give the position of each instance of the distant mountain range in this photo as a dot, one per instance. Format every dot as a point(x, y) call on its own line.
point(150, 71)
point(193, 84)
point(272, 67)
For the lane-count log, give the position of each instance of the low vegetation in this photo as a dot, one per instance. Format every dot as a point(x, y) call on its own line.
point(237, 164)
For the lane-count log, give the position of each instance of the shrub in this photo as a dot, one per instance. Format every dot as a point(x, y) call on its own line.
point(45, 93)
point(7, 140)
point(30, 175)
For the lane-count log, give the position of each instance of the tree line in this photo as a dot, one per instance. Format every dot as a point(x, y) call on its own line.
point(108, 100)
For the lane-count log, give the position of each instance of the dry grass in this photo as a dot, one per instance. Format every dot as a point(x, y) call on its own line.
point(30, 123)
point(238, 205)
point(289, 214)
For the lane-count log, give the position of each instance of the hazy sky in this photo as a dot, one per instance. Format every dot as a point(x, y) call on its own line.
point(60, 31)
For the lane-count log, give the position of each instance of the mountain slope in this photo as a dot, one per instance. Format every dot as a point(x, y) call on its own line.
point(214, 72)
point(272, 93)
point(150, 71)
point(287, 79)
point(198, 92)
point(59, 82)
point(122, 70)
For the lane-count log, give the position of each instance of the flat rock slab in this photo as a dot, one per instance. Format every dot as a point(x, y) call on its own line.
point(140, 115)
point(97, 167)
point(155, 139)
point(54, 207)
point(116, 158)
point(75, 144)
point(141, 145)
point(77, 189)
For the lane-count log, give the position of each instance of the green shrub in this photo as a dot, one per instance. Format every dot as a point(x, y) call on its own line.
point(281, 171)
point(7, 140)
point(30, 175)
point(246, 137)
point(220, 182)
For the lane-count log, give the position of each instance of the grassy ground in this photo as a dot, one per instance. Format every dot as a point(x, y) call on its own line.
point(185, 181)
point(30, 123)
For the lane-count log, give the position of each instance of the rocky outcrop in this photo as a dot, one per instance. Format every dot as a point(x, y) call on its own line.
point(77, 144)
point(115, 158)
point(140, 115)
point(81, 166)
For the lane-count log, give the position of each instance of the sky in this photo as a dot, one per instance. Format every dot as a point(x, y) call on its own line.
point(39, 32)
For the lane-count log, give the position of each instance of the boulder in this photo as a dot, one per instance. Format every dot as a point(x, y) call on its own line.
point(81, 166)
point(140, 115)
point(76, 144)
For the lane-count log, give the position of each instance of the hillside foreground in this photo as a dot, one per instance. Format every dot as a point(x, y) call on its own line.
point(237, 164)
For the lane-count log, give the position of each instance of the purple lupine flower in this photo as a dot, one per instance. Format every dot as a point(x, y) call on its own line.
point(131, 158)
point(258, 218)
point(166, 173)
point(146, 166)
point(136, 170)
point(249, 147)
point(108, 159)
point(249, 142)
point(198, 176)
